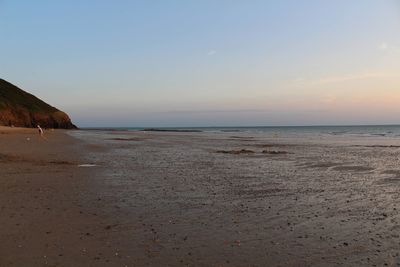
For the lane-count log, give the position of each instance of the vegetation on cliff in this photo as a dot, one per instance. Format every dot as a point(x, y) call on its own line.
point(21, 109)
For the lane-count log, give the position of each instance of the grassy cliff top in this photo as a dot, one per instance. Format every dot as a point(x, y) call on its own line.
point(14, 97)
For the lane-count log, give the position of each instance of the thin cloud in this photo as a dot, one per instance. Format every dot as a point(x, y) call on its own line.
point(220, 111)
point(211, 53)
point(329, 99)
point(346, 78)
point(385, 47)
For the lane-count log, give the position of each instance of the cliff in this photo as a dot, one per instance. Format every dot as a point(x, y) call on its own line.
point(21, 109)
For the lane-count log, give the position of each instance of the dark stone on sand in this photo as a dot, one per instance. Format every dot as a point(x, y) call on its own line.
point(274, 152)
point(236, 152)
point(353, 168)
point(61, 162)
point(379, 146)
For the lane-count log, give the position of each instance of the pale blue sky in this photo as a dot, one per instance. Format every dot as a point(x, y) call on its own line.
point(201, 63)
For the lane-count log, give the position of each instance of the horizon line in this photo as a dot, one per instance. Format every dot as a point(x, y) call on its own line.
point(253, 126)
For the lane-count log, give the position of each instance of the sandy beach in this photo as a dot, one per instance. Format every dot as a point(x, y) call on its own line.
point(197, 199)
point(48, 217)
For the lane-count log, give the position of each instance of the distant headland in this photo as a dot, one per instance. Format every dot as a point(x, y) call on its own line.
point(21, 109)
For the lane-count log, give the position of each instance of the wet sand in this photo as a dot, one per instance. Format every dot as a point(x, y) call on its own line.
point(198, 199)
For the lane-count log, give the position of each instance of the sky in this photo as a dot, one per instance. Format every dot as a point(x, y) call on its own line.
point(207, 62)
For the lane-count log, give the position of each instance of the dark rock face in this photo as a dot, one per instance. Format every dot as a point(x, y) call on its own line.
point(21, 109)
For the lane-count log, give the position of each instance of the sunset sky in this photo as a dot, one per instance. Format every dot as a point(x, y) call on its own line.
point(207, 63)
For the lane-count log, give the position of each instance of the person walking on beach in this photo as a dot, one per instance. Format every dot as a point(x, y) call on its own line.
point(40, 131)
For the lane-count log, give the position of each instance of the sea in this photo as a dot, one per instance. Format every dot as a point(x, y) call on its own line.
point(389, 131)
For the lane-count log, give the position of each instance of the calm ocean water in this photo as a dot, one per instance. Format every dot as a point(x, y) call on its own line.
point(391, 131)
